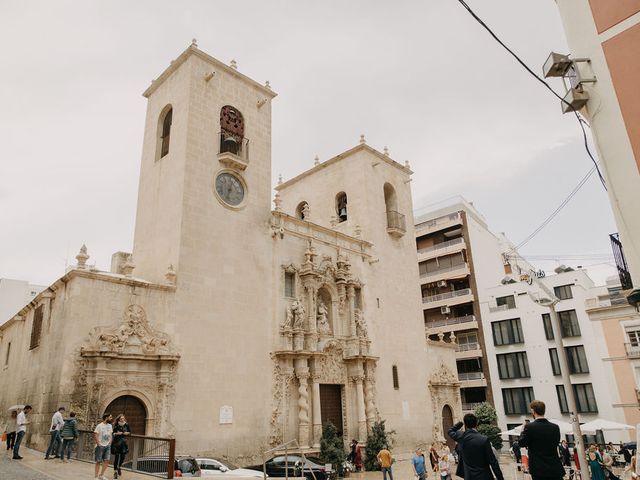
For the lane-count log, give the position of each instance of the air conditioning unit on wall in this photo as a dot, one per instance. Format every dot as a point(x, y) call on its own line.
point(442, 283)
point(445, 310)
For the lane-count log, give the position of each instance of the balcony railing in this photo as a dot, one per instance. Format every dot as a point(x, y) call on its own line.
point(445, 296)
point(621, 262)
point(445, 219)
point(453, 268)
point(440, 246)
point(234, 151)
point(467, 347)
point(396, 221)
point(471, 376)
point(501, 308)
point(451, 321)
point(471, 406)
point(632, 350)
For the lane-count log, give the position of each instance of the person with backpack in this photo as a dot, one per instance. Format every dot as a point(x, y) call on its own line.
point(69, 434)
point(119, 447)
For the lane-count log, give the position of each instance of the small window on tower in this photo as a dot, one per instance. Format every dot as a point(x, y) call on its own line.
point(289, 284)
point(36, 328)
point(394, 373)
point(164, 127)
point(341, 206)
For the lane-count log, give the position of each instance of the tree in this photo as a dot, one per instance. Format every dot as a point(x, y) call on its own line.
point(487, 424)
point(332, 447)
point(378, 439)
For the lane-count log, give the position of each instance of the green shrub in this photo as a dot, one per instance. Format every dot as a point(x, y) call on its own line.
point(332, 447)
point(378, 439)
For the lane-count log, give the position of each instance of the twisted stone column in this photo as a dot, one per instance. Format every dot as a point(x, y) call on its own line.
point(317, 415)
point(303, 408)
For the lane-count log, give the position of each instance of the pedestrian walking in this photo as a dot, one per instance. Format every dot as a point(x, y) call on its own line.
point(595, 463)
point(477, 457)
point(624, 451)
point(10, 429)
point(418, 464)
point(57, 422)
point(515, 447)
point(352, 452)
point(21, 430)
point(433, 457)
point(444, 463)
point(69, 434)
point(565, 454)
point(119, 447)
point(103, 435)
point(541, 437)
point(385, 460)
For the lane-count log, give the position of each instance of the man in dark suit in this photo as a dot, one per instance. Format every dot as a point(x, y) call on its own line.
point(541, 437)
point(476, 456)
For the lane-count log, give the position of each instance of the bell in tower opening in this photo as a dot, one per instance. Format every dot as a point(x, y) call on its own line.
point(232, 130)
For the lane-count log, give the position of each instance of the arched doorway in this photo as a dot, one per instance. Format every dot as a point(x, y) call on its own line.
point(447, 423)
point(133, 409)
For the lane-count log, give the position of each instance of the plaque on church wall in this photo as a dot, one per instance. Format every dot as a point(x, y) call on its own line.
point(226, 414)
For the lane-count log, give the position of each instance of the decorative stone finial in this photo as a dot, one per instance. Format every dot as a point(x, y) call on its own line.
point(362, 140)
point(280, 179)
point(82, 257)
point(441, 336)
point(357, 231)
point(277, 201)
point(234, 64)
point(194, 42)
point(267, 84)
point(128, 267)
point(452, 337)
point(386, 151)
point(406, 164)
point(170, 275)
point(316, 161)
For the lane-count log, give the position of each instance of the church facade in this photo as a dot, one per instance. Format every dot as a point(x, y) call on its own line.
point(240, 321)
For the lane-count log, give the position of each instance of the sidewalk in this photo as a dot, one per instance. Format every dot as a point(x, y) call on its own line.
point(54, 469)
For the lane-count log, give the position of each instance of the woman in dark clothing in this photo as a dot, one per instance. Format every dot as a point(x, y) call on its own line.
point(565, 454)
point(433, 457)
point(119, 447)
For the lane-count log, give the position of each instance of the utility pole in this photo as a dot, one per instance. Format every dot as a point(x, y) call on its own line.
point(556, 327)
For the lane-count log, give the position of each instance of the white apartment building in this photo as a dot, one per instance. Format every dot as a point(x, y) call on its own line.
point(522, 353)
point(15, 294)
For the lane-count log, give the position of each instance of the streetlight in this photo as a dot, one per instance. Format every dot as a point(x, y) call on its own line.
point(569, 393)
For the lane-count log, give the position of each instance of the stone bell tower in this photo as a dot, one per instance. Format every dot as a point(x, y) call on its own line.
point(204, 208)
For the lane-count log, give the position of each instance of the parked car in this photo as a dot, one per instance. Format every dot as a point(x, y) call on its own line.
point(184, 466)
point(211, 467)
point(296, 467)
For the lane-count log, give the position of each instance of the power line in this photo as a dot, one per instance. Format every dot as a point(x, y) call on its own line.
point(557, 210)
point(541, 80)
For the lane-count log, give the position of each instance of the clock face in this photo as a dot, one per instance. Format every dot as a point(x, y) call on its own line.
point(230, 189)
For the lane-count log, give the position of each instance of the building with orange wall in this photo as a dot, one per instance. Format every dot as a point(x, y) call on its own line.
point(607, 32)
point(618, 324)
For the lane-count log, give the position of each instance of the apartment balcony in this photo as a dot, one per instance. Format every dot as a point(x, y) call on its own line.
point(633, 351)
point(456, 297)
point(449, 273)
point(501, 308)
point(441, 249)
point(446, 325)
point(438, 224)
point(468, 350)
point(472, 379)
point(396, 226)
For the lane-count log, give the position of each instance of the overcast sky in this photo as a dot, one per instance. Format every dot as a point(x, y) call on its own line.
point(418, 76)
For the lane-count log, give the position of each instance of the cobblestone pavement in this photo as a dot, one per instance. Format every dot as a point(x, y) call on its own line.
point(14, 470)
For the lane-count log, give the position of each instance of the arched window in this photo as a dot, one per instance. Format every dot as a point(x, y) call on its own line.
point(302, 211)
point(390, 198)
point(341, 206)
point(164, 127)
point(231, 130)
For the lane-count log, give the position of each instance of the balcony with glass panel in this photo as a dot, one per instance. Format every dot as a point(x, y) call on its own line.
point(443, 248)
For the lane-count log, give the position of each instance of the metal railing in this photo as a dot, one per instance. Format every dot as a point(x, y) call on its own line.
point(632, 350)
point(232, 144)
point(460, 266)
point(621, 262)
point(467, 347)
point(445, 296)
point(147, 455)
point(296, 470)
point(471, 376)
point(501, 308)
point(451, 321)
point(396, 220)
point(439, 221)
point(439, 246)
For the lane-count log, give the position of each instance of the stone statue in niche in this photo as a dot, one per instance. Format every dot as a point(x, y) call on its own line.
point(288, 321)
point(322, 318)
point(298, 314)
point(361, 325)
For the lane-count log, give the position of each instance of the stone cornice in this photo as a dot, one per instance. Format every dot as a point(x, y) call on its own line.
point(193, 50)
point(343, 155)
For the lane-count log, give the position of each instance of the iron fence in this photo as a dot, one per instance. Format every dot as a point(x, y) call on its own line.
point(147, 455)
